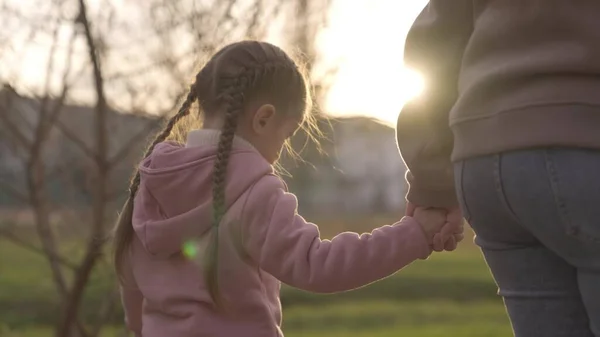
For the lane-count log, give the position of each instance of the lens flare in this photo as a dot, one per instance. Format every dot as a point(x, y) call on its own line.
point(189, 249)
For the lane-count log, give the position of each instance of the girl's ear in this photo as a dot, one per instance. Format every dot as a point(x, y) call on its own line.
point(263, 117)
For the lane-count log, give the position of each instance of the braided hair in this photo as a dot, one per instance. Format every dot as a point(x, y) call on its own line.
point(123, 231)
point(234, 77)
point(234, 100)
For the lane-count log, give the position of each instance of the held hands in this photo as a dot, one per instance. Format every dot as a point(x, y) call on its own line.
point(449, 234)
point(432, 221)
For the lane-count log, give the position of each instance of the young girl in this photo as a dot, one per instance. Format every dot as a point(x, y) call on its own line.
point(219, 192)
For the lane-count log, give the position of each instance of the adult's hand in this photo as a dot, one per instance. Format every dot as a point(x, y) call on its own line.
point(410, 208)
point(451, 234)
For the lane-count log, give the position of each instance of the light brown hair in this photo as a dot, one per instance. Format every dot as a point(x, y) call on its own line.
point(236, 76)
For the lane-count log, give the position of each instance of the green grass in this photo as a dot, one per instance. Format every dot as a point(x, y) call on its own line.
point(449, 294)
point(373, 319)
point(387, 318)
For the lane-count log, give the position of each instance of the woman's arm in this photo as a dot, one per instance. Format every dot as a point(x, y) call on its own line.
point(434, 47)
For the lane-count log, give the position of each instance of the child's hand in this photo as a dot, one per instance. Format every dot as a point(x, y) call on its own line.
point(431, 220)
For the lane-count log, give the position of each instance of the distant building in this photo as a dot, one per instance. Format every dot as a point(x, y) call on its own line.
point(364, 173)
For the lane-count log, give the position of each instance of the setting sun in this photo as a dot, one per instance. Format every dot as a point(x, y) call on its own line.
point(371, 77)
point(366, 96)
point(413, 84)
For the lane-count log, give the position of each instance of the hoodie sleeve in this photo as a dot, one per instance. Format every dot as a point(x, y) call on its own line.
point(434, 47)
point(132, 300)
point(284, 245)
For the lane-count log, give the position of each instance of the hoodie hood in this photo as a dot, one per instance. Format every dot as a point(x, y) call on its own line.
point(174, 199)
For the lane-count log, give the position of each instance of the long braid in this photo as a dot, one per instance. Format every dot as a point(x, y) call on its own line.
point(123, 232)
point(233, 99)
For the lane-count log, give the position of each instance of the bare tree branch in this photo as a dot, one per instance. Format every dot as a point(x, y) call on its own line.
point(135, 140)
point(9, 235)
point(11, 127)
point(72, 136)
point(35, 179)
point(49, 118)
point(14, 192)
point(95, 242)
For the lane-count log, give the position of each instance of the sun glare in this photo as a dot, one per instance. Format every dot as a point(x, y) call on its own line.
point(371, 78)
point(381, 97)
point(413, 84)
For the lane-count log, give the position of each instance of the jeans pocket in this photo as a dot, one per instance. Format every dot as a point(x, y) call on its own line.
point(458, 182)
point(573, 175)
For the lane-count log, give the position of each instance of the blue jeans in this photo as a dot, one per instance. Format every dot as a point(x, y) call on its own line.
point(536, 216)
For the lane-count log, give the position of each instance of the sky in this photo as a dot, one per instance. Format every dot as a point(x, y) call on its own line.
point(364, 41)
point(367, 36)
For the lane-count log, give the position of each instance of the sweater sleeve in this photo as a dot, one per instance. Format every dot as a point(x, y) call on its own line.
point(284, 245)
point(434, 47)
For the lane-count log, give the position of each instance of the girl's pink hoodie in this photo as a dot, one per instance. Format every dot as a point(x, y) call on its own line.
point(263, 241)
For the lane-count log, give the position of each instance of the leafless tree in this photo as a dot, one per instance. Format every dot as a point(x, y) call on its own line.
point(100, 57)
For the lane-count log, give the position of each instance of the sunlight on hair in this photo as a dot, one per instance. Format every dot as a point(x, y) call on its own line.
point(413, 84)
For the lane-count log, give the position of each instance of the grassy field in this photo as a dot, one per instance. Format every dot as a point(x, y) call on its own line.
point(372, 319)
point(451, 294)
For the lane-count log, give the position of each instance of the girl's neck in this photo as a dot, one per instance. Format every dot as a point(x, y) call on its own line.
point(206, 136)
